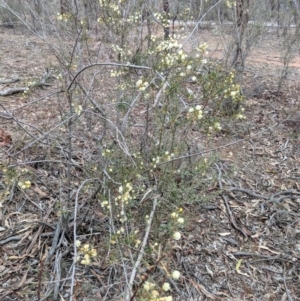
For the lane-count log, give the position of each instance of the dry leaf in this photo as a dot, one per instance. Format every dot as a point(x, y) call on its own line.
point(5, 138)
point(209, 271)
point(237, 268)
point(225, 234)
point(203, 290)
point(238, 265)
point(20, 284)
point(255, 235)
point(254, 203)
point(40, 192)
point(266, 248)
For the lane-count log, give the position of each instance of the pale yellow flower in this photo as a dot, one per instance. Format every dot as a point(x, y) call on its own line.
point(180, 220)
point(174, 214)
point(176, 235)
point(148, 286)
point(139, 83)
point(166, 287)
point(175, 275)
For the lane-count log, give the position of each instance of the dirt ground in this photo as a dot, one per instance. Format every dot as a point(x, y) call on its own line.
point(243, 244)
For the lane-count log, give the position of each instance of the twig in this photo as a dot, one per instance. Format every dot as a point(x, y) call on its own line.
point(9, 81)
point(40, 274)
point(39, 231)
point(249, 192)
point(104, 64)
point(54, 241)
point(231, 215)
point(263, 257)
point(75, 235)
point(42, 82)
point(286, 288)
point(9, 239)
point(11, 91)
point(141, 252)
point(232, 218)
point(202, 18)
point(57, 275)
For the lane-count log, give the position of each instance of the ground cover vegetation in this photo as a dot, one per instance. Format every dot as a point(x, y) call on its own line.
point(141, 160)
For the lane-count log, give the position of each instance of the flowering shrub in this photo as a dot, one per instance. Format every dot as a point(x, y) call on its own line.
point(179, 92)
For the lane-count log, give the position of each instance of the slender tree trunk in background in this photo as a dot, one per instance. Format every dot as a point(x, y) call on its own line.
point(37, 6)
point(64, 7)
point(242, 18)
point(295, 10)
point(278, 17)
point(272, 5)
point(166, 10)
point(292, 41)
point(36, 12)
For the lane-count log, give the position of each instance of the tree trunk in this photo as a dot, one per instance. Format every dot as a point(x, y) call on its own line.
point(64, 6)
point(166, 10)
point(242, 18)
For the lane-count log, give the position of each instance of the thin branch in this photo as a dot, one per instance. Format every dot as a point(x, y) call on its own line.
point(285, 285)
point(104, 64)
point(141, 252)
point(231, 215)
point(75, 236)
point(201, 19)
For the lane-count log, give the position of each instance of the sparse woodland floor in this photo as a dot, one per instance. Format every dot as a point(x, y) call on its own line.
point(243, 243)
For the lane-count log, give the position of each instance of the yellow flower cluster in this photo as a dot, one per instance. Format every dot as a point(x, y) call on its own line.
point(63, 17)
point(116, 73)
point(162, 18)
point(230, 3)
point(124, 197)
point(179, 221)
point(141, 85)
point(153, 294)
point(202, 48)
point(240, 115)
point(123, 53)
point(135, 18)
point(106, 152)
point(195, 113)
point(175, 275)
point(168, 45)
point(105, 204)
point(59, 76)
point(215, 127)
point(120, 231)
point(177, 235)
point(112, 7)
point(166, 157)
point(9, 177)
point(171, 59)
point(86, 252)
point(137, 243)
point(78, 109)
point(234, 89)
point(125, 193)
point(29, 86)
point(24, 185)
point(233, 92)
